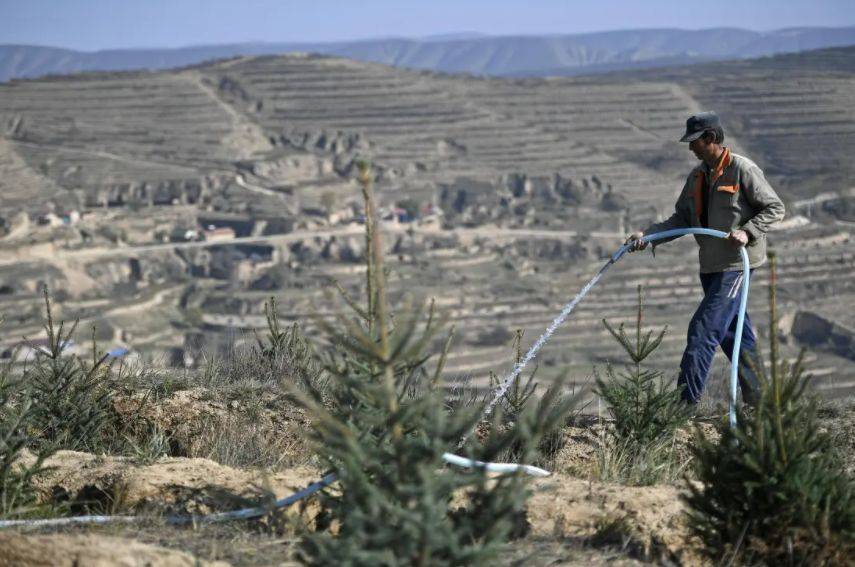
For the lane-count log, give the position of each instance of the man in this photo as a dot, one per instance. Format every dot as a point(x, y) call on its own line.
point(726, 192)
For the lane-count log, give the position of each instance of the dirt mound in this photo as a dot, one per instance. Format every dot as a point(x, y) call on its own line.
point(647, 518)
point(104, 484)
point(190, 418)
point(578, 453)
point(18, 550)
point(181, 414)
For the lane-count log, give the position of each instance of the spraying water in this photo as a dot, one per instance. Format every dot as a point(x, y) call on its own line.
point(565, 312)
point(540, 342)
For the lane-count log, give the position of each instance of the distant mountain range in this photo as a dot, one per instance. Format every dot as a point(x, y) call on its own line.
point(521, 56)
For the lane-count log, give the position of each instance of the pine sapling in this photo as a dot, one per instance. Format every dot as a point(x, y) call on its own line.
point(644, 407)
point(72, 398)
point(646, 411)
point(383, 430)
point(286, 354)
point(520, 398)
point(772, 490)
point(516, 397)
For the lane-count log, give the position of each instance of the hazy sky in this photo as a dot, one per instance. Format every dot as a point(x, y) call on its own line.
point(104, 24)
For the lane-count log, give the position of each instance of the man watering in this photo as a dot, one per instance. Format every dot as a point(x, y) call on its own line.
point(726, 192)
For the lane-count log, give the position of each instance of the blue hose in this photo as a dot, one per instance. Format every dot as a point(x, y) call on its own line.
point(499, 392)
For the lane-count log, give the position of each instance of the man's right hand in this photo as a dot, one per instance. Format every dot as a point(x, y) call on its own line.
point(635, 242)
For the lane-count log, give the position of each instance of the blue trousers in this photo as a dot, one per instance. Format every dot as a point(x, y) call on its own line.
point(714, 325)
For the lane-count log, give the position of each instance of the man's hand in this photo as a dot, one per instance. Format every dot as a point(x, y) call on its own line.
point(738, 238)
point(635, 241)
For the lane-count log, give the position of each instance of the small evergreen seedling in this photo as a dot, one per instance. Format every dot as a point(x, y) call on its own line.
point(638, 446)
point(516, 398)
point(286, 354)
point(772, 491)
point(72, 398)
point(519, 398)
point(383, 430)
point(644, 407)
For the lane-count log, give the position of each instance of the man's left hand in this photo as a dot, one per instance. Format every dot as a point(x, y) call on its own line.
point(738, 238)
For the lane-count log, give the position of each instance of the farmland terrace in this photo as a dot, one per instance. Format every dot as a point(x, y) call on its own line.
point(168, 206)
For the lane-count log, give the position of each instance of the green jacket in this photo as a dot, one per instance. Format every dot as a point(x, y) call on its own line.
point(739, 198)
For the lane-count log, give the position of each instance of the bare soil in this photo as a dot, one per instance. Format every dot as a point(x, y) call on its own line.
point(572, 520)
point(65, 550)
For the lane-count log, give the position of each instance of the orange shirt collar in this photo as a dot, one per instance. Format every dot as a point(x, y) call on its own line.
point(723, 161)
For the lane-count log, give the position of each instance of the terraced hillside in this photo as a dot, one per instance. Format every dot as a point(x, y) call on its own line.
point(790, 112)
point(165, 208)
point(444, 127)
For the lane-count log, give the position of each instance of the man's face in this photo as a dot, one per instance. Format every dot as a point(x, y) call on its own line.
point(701, 148)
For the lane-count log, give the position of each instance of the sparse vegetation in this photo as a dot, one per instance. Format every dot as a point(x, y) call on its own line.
point(148, 445)
point(272, 360)
point(773, 491)
point(382, 423)
point(242, 441)
point(612, 530)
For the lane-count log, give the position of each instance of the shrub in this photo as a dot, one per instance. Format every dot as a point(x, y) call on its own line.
point(638, 446)
point(772, 491)
point(383, 430)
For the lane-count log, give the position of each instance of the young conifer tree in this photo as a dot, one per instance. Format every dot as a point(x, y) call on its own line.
point(772, 491)
point(72, 397)
point(382, 427)
point(644, 407)
point(519, 393)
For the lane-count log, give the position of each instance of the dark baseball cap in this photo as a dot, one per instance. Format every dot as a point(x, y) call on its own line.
point(699, 123)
